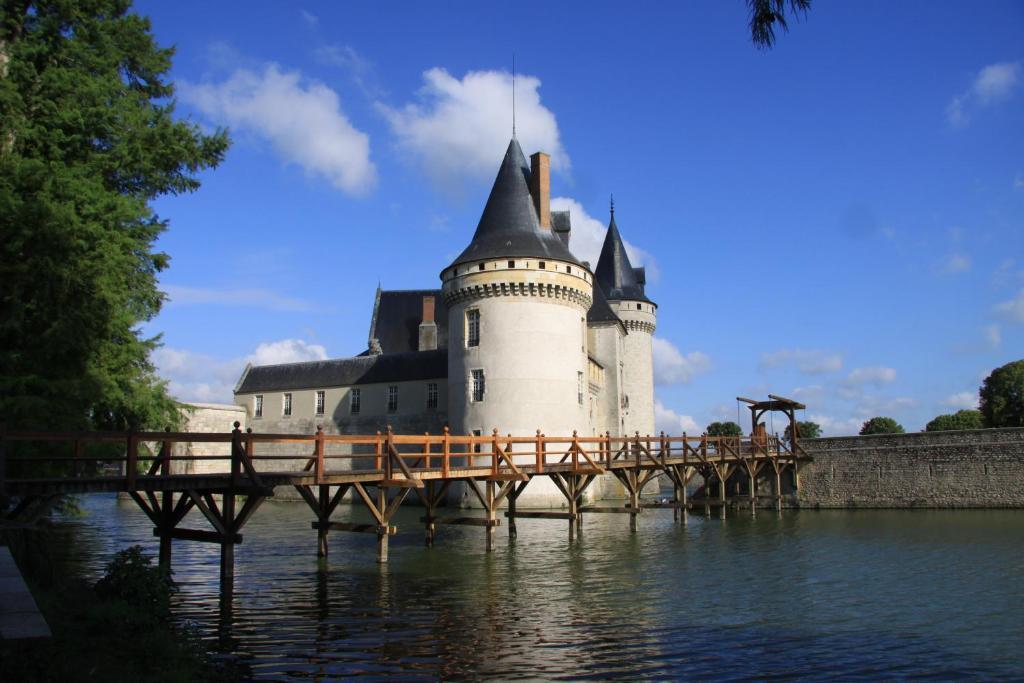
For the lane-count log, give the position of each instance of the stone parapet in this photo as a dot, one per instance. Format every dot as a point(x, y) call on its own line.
point(977, 468)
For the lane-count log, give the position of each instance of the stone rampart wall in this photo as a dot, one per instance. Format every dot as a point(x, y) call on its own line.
point(977, 468)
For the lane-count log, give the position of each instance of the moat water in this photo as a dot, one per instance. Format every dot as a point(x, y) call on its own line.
point(807, 595)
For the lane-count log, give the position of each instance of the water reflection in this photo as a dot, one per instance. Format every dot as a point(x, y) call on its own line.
point(863, 594)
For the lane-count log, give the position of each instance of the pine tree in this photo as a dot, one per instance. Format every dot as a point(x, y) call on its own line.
point(87, 141)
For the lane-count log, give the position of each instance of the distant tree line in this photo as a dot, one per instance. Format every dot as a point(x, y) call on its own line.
point(1000, 404)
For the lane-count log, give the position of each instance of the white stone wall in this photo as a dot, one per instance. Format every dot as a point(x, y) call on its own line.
point(639, 365)
point(412, 400)
point(531, 349)
point(208, 418)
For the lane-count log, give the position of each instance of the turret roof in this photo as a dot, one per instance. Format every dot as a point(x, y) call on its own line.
point(509, 225)
point(616, 276)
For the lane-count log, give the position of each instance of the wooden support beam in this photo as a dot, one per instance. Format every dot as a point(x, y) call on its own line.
point(463, 521)
point(200, 535)
point(539, 514)
point(350, 526)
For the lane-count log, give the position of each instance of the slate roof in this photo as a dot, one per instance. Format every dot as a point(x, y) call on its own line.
point(616, 276)
point(509, 227)
point(320, 374)
point(397, 316)
point(600, 311)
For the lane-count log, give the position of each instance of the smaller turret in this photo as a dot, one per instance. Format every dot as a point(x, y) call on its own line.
point(623, 287)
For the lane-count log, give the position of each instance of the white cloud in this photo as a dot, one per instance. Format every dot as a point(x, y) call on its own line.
point(996, 81)
point(1012, 310)
point(311, 19)
point(961, 401)
point(251, 298)
point(835, 426)
point(459, 128)
point(994, 336)
point(811, 362)
point(1018, 183)
point(993, 84)
point(672, 423)
point(201, 378)
point(875, 375)
point(671, 366)
point(957, 263)
point(588, 233)
point(286, 351)
point(302, 119)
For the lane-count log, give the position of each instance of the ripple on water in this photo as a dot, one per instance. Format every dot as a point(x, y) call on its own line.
point(856, 595)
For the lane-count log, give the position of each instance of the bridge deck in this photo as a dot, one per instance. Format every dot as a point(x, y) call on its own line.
point(379, 470)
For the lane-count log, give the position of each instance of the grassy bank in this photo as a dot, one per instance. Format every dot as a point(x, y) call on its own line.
point(116, 630)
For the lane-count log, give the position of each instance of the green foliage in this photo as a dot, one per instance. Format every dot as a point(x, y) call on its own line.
point(87, 141)
point(130, 578)
point(765, 14)
point(881, 425)
point(1002, 396)
point(724, 429)
point(961, 419)
point(804, 430)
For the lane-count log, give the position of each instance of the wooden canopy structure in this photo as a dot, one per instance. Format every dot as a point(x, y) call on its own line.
point(779, 404)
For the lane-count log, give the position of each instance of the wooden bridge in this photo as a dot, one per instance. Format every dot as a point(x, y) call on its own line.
point(381, 469)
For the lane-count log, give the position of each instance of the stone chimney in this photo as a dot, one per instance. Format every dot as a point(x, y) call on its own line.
point(540, 187)
point(428, 328)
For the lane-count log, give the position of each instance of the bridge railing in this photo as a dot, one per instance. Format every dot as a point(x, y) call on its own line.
point(133, 458)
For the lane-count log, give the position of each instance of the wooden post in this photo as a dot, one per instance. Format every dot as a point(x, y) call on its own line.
point(430, 501)
point(236, 452)
point(167, 511)
point(227, 543)
point(539, 454)
point(426, 450)
point(570, 485)
point(489, 499)
point(446, 454)
point(778, 488)
point(511, 514)
point(322, 513)
point(382, 528)
point(494, 453)
point(318, 446)
point(378, 453)
point(634, 499)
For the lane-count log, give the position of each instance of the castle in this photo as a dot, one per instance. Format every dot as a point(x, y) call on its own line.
point(521, 336)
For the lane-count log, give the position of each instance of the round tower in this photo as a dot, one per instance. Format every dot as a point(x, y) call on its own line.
point(517, 301)
point(623, 287)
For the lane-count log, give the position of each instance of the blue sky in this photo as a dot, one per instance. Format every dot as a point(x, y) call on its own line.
point(839, 220)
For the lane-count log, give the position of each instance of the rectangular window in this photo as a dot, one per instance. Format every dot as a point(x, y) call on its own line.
point(478, 385)
point(511, 264)
point(320, 402)
point(393, 398)
point(473, 327)
point(481, 266)
point(257, 406)
point(579, 387)
point(432, 396)
point(568, 269)
point(355, 399)
point(476, 446)
point(286, 405)
point(543, 265)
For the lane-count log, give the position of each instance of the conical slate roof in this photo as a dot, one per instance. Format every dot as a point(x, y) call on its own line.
point(509, 227)
point(600, 311)
point(615, 274)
